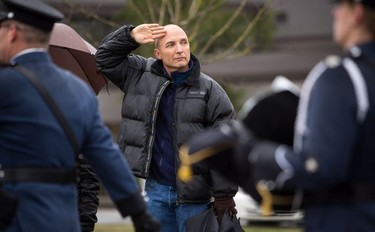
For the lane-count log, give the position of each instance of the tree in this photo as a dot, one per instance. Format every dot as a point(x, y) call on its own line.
point(217, 29)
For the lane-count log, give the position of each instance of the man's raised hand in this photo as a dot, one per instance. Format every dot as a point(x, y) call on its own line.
point(147, 33)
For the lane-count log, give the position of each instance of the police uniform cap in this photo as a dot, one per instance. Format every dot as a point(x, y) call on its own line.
point(31, 12)
point(368, 3)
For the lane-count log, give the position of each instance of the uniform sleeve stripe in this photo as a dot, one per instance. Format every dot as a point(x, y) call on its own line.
point(360, 88)
point(300, 126)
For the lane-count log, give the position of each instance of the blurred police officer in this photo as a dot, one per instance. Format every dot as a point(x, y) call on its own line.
point(36, 157)
point(332, 158)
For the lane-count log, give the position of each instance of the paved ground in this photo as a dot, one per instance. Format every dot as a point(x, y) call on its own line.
point(110, 216)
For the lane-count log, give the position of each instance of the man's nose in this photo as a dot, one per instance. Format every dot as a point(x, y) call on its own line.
point(179, 48)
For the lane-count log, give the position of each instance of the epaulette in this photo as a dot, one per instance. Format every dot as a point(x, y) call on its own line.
point(355, 52)
point(332, 61)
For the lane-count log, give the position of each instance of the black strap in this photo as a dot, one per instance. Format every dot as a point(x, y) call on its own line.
point(52, 105)
point(47, 175)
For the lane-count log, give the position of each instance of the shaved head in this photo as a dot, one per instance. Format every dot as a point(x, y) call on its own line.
point(169, 27)
point(173, 49)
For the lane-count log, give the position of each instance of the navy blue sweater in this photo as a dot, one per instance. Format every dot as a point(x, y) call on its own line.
point(163, 155)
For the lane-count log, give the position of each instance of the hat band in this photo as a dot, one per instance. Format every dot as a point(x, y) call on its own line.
point(368, 3)
point(32, 21)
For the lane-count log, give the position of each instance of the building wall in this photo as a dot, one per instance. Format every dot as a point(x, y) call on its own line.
point(303, 18)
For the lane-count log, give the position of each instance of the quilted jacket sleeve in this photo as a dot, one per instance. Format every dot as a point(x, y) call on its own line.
point(114, 58)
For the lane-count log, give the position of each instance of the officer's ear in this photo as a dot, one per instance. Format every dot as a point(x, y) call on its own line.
point(12, 30)
point(358, 14)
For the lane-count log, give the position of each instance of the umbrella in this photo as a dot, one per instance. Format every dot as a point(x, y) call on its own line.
point(70, 51)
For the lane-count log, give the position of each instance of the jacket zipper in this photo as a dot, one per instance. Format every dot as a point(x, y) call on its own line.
point(153, 122)
point(174, 146)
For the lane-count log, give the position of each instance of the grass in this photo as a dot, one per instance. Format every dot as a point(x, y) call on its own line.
point(256, 228)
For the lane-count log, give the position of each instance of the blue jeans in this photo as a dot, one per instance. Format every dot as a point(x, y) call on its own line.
point(163, 206)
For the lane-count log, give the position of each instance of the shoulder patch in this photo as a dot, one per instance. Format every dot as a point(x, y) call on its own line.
point(332, 61)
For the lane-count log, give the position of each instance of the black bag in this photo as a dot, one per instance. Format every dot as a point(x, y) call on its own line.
point(207, 222)
point(8, 208)
point(230, 224)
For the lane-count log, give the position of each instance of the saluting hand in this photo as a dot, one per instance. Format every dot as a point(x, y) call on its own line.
point(147, 33)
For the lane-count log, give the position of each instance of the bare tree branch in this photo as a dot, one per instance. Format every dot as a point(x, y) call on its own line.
point(195, 21)
point(135, 8)
point(162, 12)
point(178, 11)
point(233, 55)
point(190, 16)
point(245, 34)
point(224, 28)
point(151, 11)
point(171, 12)
point(194, 7)
point(89, 13)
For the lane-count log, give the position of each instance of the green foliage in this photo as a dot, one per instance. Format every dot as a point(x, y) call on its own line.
point(264, 31)
point(260, 37)
point(203, 19)
point(217, 29)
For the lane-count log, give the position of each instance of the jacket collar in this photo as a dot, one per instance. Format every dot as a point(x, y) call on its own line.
point(157, 68)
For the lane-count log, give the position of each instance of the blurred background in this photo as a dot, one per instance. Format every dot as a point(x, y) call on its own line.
point(243, 44)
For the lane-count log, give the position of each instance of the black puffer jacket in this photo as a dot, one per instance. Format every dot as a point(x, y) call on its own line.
point(200, 103)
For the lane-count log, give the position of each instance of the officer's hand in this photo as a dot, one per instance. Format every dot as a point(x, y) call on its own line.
point(147, 33)
point(224, 149)
point(145, 223)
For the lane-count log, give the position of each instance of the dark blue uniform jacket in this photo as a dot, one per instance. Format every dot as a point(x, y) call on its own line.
point(335, 142)
point(30, 137)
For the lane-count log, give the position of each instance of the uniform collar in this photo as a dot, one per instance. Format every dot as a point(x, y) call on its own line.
point(368, 49)
point(30, 55)
point(157, 67)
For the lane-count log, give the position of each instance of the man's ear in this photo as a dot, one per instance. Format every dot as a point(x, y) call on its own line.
point(13, 32)
point(157, 53)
